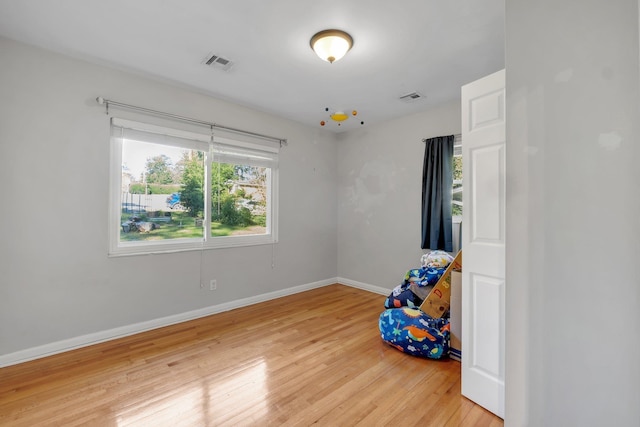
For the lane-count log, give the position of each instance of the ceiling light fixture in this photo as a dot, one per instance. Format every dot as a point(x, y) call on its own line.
point(331, 45)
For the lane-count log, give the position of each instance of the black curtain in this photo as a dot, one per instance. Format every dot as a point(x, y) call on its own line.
point(437, 183)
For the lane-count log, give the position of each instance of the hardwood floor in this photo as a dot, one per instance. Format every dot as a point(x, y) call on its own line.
point(310, 358)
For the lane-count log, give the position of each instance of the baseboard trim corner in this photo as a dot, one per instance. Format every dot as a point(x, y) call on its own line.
point(365, 286)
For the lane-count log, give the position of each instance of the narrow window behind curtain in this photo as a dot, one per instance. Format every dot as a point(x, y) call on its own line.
point(437, 182)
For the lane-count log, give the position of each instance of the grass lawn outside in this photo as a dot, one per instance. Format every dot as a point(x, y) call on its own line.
point(183, 226)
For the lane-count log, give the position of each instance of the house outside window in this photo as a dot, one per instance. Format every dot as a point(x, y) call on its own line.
point(174, 190)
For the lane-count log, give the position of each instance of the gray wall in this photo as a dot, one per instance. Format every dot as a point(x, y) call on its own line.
point(56, 279)
point(573, 228)
point(379, 195)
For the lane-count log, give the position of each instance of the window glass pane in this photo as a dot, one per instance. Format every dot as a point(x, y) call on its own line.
point(239, 199)
point(457, 201)
point(456, 208)
point(175, 190)
point(162, 192)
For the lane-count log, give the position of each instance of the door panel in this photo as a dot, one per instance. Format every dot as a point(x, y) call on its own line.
point(487, 173)
point(487, 300)
point(483, 241)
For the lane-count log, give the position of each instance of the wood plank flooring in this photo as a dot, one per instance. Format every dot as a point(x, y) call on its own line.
point(310, 358)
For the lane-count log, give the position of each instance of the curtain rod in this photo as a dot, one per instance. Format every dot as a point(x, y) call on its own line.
point(457, 135)
point(100, 100)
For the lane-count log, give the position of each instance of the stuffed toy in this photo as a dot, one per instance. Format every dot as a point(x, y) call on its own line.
point(436, 259)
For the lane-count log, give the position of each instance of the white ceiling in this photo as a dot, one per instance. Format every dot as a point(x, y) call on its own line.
point(429, 46)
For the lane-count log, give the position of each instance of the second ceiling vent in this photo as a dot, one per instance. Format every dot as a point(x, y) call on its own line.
point(217, 61)
point(410, 97)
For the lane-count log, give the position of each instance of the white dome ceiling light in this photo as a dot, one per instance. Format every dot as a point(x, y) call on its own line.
point(331, 45)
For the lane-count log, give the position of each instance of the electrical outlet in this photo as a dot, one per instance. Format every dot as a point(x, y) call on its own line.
point(213, 285)
point(201, 285)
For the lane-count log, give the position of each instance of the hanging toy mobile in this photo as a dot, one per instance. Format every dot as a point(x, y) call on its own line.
point(339, 117)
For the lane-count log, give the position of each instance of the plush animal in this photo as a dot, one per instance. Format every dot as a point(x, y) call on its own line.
point(436, 259)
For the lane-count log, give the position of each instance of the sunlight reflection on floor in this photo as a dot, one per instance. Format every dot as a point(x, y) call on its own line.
point(210, 401)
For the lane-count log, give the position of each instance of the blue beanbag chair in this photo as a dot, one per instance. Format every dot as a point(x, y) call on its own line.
point(414, 332)
point(403, 296)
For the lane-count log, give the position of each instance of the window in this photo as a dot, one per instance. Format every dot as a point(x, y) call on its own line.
point(174, 190)
point(456, 208)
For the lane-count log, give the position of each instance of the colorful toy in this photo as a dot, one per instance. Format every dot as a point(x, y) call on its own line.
point(434, 264)
point(339, 116)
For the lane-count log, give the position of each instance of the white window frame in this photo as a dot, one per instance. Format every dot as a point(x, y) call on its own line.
point(206, 143)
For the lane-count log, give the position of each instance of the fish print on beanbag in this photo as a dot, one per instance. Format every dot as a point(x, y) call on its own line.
point(414, 332)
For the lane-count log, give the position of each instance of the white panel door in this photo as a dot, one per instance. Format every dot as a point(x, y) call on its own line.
point(483, 241)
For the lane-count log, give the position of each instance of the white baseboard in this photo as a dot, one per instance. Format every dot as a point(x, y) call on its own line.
point(111, 334)
point(364, 286)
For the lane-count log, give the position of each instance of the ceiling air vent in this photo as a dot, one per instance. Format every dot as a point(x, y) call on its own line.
point(410, 97)
point(217, 61)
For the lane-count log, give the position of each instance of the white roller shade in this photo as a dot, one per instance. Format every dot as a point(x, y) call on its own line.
point(144, 132)
point(244, 153)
